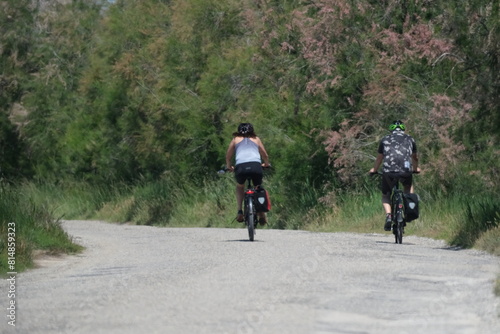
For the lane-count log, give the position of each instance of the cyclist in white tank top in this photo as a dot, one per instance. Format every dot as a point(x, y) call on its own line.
point(249, 152)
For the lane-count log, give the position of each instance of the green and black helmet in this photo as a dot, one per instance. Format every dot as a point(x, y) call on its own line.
point(397, 125)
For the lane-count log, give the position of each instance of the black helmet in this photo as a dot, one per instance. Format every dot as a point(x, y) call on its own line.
point(245, 128)
point(397, 124)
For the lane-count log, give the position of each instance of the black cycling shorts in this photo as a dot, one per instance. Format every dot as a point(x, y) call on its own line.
point(246, 170)
point(388, 180)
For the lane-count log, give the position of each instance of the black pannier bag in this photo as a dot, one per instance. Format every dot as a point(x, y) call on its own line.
point(411, 206)
point(262, 201)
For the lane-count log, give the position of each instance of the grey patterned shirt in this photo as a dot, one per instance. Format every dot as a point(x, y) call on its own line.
point(397, 149)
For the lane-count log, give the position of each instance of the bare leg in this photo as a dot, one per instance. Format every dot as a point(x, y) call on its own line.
point(386, 203)
point(240, 194)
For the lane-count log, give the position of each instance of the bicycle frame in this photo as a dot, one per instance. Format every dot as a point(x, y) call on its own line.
point(249, 210)
point(397, 208)
point(397, 211)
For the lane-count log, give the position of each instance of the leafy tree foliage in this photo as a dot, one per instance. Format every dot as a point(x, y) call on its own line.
point(143, 90)
point(16, 21)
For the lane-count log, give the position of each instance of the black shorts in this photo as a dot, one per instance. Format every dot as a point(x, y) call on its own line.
point(388, 180)
point(246, 170)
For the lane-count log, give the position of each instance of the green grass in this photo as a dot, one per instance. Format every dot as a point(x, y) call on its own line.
point(32, 226)
point(458, 219)
point(212, 204)
point(481, 215)
point(70, 200)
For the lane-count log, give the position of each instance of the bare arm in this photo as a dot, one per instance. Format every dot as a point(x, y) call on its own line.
point(414, 161)
point(229, 155)
point(378, 162)
point(263, 153)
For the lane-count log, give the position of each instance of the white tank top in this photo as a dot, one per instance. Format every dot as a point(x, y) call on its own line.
point(247, 151)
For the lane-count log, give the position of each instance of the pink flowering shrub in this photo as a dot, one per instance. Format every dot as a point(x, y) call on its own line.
point(417, 41)
point(346, 147)
point(444, 117)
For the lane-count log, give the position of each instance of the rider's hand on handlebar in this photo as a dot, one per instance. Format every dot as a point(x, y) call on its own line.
point(266, 165)
point(373, 171)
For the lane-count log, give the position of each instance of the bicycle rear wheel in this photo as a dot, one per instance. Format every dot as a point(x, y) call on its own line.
point(398, 226)
point(250, 218)
point(398, 232)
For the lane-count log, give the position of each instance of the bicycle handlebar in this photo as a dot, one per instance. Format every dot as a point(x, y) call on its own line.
point(380, 173)
point(223, 171)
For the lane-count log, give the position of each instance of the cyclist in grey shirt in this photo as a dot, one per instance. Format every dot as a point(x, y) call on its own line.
point(398, 153)
point(249, 151)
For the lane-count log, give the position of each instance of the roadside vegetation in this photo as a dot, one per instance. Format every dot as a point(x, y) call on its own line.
point(123, 112)
point(28, 224)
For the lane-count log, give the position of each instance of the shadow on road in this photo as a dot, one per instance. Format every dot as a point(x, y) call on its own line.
point(243, 240)
point(393, 243)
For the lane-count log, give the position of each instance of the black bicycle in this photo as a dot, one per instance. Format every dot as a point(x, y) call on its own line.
point(250, 212)
point(398, 211)
point(398, 215)
point(249, 209)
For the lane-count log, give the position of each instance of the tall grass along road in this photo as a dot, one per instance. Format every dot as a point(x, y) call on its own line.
point(139, 279)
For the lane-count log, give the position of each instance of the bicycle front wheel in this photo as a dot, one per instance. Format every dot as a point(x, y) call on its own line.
point(250, 218)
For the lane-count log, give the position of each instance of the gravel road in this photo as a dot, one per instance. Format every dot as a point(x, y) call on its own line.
point(140, 279)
